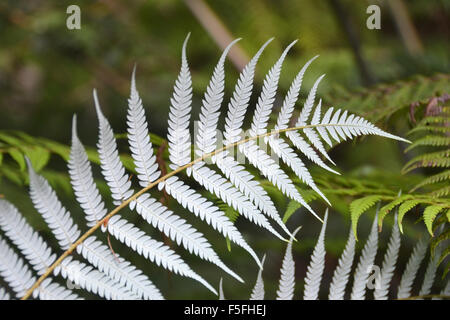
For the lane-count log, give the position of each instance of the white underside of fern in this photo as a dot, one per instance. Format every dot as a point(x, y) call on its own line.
point(114, 277)
point(339, 283)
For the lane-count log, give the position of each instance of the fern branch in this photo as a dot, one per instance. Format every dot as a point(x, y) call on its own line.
point(287, 280)
point(412, 266)
point(258, 289)
point(365, 263)
point(390, 260)
point(125, 203)
point(342, 271)
point(315, 269)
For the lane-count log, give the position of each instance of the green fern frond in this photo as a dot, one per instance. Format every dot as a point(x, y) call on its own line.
point(359, 206)
point(404, 208)
point(439, 177)
point(382, 101)
point(439, 129)
point(433, 159)
point(437, 240)
point(443, 192)
point(430, 140)
point(389, 207)
point(429, 214)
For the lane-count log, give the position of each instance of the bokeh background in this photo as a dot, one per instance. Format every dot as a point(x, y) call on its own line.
point(47, 73)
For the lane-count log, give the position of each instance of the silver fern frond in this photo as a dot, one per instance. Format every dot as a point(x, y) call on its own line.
point(287, 280)
point(90, 200)
point(315, 269)
point(99, 255)
point(430, 273)
point(138, 138)
point(341, 274)
point(412, 267)
point(365, 263)
point(390, 261)
point(179, 114)
point(258, 289)
point(226, 178)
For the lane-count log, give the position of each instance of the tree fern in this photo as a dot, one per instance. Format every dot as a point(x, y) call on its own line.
point(234, 185)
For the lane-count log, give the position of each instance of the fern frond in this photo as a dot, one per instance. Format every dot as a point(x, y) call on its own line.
point(112, 169)
point(342, 271)
point(429, 214)
point(315, 269)
point(404, 208)
point(92, 280)
point(251, 188)
point(287, 280)
point(365, 263)
point(119, 228)
point(272, 171)
point(267, 96)
point(430, 140)
point(412, 266)
point(428, 160)
point(291, 97)
point(359, 206)
point(99, 255)
point(206, 211)
point(210, 110)
point(179, 114)
point(82, 180)
point(41, 257)
point(14, 270)
point(240, 99)
point(390, 260)
point(47, 204)
point(216, 184)
point(179, 231)
point(258, 289)
point(430, 273)
point(138, 138)
point(19, 277)
point(16, 228)
point(241, 192)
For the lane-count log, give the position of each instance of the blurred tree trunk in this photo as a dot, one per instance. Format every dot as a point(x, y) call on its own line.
point(405, 27)
point(218, 31)
point(352, 36)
